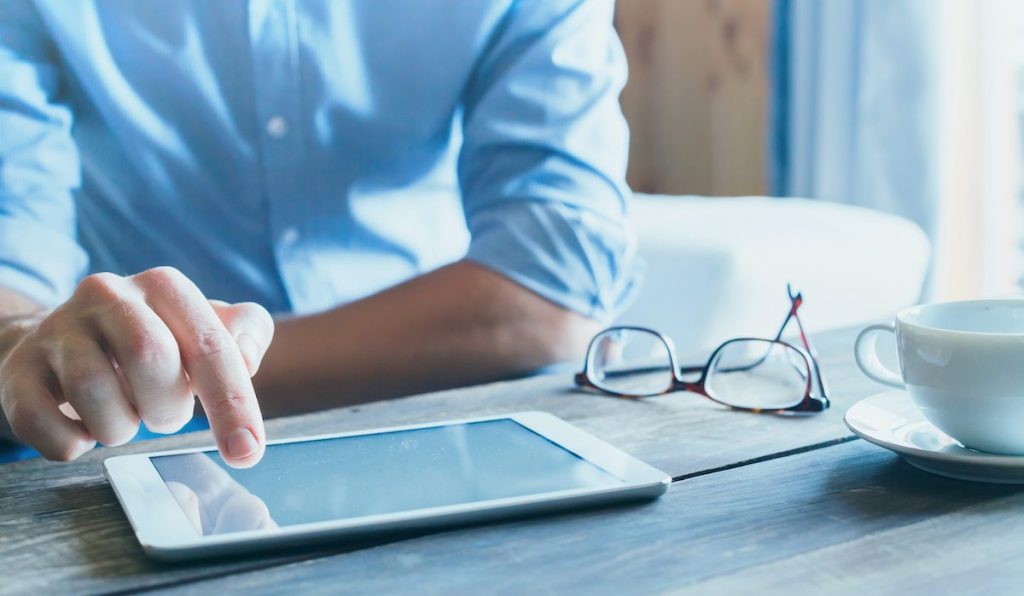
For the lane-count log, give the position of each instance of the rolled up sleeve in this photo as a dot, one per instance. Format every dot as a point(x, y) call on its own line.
point(542, 168)
point(39, 164)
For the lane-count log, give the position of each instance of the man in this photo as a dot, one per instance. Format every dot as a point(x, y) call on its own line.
point(427, 194)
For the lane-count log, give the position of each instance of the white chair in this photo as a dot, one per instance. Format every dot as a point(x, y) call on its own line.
point(718, 268)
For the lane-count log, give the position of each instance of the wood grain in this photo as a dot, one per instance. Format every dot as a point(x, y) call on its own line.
point(697, 96)
point(975, 549)
point(61, 525)
point(773, 520)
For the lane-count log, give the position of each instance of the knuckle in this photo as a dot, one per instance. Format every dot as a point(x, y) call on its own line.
point(212, 342)
point(150, 348)
point(99, 288)
point(53, 325)
point(75, 374)
point(167, 420)
point(164, 276)
point(148, 342)
point(229, 404)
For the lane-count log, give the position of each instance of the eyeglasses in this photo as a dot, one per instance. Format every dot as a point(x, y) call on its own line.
point(746, 373)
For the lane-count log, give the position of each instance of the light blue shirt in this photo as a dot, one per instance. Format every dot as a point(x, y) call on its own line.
point(304, 154)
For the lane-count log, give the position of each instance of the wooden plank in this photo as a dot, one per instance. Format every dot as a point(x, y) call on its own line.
point(61, 522)
point(712, 529)
point(974, 550)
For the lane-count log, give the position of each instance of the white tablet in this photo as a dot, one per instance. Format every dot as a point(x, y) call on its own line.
point(188, 503)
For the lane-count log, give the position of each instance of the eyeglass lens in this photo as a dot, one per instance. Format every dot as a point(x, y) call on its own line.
point(757, 374)
point(630, 362)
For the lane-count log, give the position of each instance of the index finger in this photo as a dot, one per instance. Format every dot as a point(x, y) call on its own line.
point(214, 364)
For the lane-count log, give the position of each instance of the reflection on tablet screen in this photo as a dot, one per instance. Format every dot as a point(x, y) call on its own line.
point(345, 477)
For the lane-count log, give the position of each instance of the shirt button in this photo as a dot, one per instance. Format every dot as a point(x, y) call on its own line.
point(277, 127)
point(289, 236)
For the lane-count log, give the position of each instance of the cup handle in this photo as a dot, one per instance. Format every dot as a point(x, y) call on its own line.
point(866, 353)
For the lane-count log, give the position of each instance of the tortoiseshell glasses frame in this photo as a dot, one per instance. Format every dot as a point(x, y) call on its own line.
point(802, 358)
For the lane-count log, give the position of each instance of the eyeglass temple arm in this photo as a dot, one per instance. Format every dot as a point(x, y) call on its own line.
point(796, 300)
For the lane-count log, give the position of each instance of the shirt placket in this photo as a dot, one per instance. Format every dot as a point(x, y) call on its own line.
point(278, 99)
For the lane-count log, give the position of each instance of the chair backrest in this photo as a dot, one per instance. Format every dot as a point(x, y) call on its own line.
point(718, 268)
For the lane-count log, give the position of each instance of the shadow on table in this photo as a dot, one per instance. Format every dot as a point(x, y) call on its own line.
point(874, 485)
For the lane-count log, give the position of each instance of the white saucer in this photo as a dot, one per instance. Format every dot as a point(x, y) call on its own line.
point(891, 420)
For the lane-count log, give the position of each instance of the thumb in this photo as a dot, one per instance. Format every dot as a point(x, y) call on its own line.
point(251, 326)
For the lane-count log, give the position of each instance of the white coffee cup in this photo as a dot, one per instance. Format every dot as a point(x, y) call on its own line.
point(963, 365)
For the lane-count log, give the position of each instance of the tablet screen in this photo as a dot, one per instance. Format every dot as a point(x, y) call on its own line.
point(330, 479)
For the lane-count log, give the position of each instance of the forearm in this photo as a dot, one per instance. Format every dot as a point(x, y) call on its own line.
point(459, 325)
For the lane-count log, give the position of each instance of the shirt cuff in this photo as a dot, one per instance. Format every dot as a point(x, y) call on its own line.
point(575, 258)
point(39, 263)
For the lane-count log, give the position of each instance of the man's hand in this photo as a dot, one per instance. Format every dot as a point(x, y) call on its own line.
point(129, 348)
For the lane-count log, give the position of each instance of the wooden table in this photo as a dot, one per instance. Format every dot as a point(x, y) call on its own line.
point(759, 503)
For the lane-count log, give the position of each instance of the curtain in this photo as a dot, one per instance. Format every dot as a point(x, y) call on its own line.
point(855, 104)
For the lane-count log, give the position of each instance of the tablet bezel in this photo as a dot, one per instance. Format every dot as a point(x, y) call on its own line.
point(164, 531)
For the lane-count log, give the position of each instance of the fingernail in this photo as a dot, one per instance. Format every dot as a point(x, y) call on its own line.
point(241, 444)
point(250, 352)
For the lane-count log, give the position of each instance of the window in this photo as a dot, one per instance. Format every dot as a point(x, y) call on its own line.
point(980, 247)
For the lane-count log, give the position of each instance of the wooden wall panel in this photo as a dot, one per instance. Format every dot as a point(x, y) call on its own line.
point(697, 98)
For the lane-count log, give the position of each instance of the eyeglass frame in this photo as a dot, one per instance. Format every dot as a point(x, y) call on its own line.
point(809, 404)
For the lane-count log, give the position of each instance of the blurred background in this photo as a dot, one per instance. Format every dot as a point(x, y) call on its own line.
point(912, 107)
